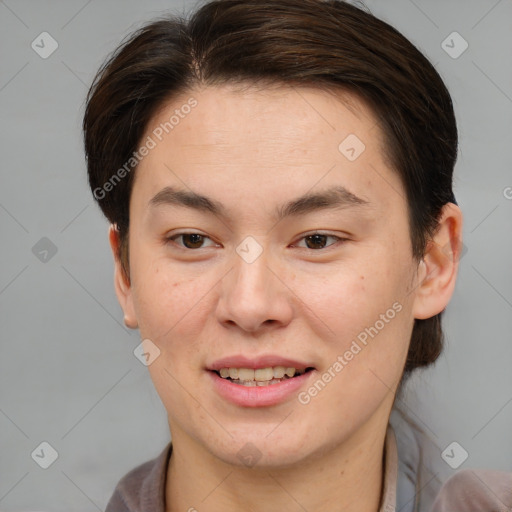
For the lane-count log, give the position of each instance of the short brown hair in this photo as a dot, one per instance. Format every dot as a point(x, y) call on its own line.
point(328, 44)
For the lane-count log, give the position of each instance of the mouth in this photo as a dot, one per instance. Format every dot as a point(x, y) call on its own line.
point(260, 381)
point(259, 377)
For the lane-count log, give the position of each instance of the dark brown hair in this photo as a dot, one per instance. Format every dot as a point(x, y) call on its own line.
point(330, 45)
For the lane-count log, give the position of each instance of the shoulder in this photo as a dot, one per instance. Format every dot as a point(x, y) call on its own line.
point(143, 488)
point(476, 490)
point(427, 485)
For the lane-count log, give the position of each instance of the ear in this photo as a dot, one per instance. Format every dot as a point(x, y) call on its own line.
point(437, 272)
point(121, 282)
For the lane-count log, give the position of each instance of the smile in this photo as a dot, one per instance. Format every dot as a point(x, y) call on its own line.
point(247, 391)
point(250, 377)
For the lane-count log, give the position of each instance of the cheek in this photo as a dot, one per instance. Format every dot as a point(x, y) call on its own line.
point(353, 296)
point(368, 313)
point(167, 303)
point(171, 312)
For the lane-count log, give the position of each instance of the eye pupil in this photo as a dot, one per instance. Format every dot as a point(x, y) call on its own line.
point(196, 238)
point(317, 239)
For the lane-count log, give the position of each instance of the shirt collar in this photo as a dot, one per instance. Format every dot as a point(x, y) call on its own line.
point(390, 473)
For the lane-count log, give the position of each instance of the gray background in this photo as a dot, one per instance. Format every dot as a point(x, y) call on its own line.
point(67, 372)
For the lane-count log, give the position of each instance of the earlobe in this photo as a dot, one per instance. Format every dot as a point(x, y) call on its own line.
point(121, 282)
point(437, 272)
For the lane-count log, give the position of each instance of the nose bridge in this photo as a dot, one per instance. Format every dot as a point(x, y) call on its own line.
point(251, 287)
point(251, 295)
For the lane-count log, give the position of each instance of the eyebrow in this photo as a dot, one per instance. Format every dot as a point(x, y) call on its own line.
point(333, 198)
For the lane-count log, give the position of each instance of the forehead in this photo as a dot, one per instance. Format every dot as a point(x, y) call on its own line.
point(257, 143)
point(253, 114)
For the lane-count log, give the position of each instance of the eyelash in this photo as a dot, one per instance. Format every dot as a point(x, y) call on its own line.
point(178, 235)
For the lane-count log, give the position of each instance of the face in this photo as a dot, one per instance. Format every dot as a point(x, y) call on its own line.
point(300, 257)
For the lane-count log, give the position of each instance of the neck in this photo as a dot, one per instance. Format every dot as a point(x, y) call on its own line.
point(345, 477)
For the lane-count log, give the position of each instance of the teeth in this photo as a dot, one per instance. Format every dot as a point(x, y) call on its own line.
point(290, 372)
point(261, 375)
point(249, 383)
point(279, 372)
point(246, 374)
point(255, 383)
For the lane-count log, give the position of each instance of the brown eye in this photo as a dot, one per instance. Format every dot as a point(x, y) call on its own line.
point(318, 241)
point(190, 240)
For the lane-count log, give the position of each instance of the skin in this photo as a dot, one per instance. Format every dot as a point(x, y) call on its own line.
point(253, 150)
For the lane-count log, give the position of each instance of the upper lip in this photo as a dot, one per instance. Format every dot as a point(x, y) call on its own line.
point(263, 361)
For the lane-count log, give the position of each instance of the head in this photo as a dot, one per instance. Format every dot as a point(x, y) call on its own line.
point(327, 138)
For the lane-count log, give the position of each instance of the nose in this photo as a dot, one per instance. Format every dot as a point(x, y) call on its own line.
point(255, 296)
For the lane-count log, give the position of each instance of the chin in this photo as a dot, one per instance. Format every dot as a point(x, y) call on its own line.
point(261, 448)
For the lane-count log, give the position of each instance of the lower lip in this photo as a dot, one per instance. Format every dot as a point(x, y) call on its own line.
point(258, 396)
